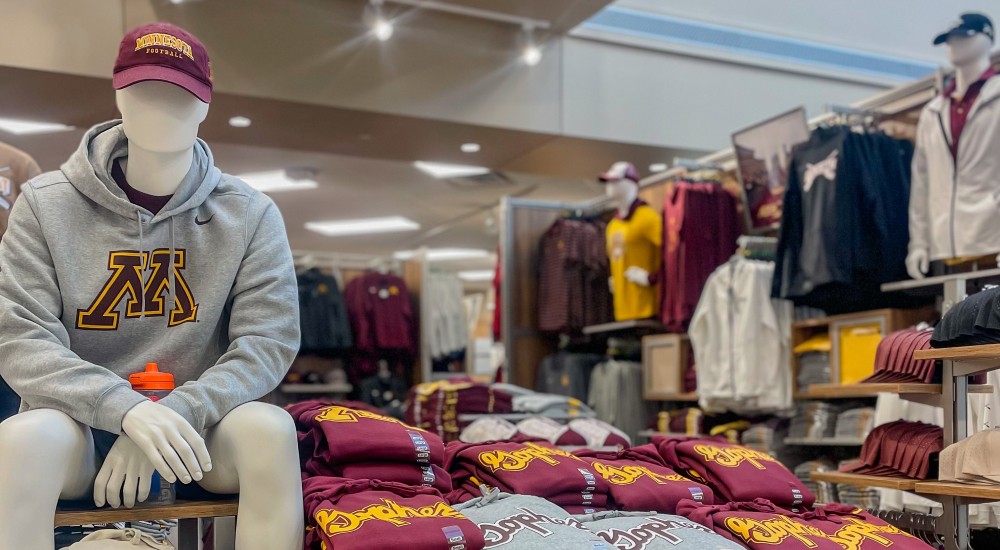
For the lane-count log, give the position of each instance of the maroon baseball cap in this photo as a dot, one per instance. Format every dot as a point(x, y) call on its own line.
point(164, 52)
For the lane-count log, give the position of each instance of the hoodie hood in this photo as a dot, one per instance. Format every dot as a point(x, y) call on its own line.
point(89, 171)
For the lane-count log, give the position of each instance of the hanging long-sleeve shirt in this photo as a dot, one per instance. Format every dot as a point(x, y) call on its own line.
point(323, 313)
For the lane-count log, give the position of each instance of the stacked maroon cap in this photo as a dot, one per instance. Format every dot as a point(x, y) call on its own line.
point(343, 513)
point(638, 481)
point(735, 473)
point(894, 361)
point(760, 525)
point(436, 406)
point(337, 441)
point(898, 449)
point(535, 468)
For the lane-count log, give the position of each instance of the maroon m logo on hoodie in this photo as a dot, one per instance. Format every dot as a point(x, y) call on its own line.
point(126, 282)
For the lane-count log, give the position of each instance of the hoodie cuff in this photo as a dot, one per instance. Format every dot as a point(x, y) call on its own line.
point(112, 407)
point(183, 407)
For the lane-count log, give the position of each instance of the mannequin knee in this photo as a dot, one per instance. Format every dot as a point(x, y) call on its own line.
point(42, 431)
point(261, 424)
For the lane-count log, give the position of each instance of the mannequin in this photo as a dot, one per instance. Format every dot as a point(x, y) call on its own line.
point(961, 179)
point(46, 455)
point(634, 239)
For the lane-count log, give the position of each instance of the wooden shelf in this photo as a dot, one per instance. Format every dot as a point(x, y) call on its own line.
point(842, 391)
point(180, 510)
point(689, 397)
point(650, 434)
point(621, 326)
point(824, 442)
point(516, 417)
point(962, 490)
point(969, 353)
point(858, 480)
point(316, 388)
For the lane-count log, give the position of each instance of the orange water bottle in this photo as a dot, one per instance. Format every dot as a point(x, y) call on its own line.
point(156, 385)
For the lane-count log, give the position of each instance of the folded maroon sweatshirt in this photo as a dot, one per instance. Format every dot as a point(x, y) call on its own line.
point(398, 472)
point(735, 473)
point(644, 487)
point(345, 515)
point(533, 468)
point(337, 435)
point(760, 525)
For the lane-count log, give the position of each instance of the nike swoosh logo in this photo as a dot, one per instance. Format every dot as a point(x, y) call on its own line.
point(199, 222)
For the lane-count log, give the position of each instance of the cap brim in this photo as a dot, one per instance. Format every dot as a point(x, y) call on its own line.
point(957, 31)
point(145, 73)
point(608, 178)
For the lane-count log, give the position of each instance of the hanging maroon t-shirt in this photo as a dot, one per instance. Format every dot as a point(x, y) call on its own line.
point(760, 525)
point(344, 515)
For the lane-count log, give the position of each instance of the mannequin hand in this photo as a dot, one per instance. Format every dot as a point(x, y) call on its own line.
point(917, 264)
point(126, 469)
point(173, 447)
point(637, 275)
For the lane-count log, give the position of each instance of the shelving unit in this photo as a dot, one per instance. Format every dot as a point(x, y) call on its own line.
point(316, 389)
point(517, 417)
point(650, 434)
point(619, 326)
point(965, 491)
point(858, 480)
point(824, 442)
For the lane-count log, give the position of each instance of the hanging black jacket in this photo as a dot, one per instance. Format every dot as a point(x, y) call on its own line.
point(325, 325)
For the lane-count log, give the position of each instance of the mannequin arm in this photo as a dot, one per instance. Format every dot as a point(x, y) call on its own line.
point(263, 327)
point(34, 344)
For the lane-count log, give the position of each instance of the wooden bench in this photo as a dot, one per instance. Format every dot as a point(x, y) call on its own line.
point(188, 514)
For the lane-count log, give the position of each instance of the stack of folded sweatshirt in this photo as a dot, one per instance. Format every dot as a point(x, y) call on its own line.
point(436, 406)
point(347, 515)
point(638, 480)
point(336, 441)
point(760, 525)
point(529, 468)
point(735, 473)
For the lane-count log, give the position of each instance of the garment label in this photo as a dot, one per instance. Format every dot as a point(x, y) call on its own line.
point(428, 475)
point(696, 493)
point(455, 537)
point(422, 448)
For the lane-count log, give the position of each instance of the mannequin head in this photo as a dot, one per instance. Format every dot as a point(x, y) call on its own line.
point(622, 192)
point(965, 50)
point(160, 117)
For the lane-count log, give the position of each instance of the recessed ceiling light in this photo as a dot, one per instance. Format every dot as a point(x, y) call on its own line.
point(275, 181)
point(382, 30)
point(477, 275)
point(658, 167)
point(471, 148)
point(240, 122)
point(367, 226)
point(28, 127)
point(441, 170)
point(444, 254)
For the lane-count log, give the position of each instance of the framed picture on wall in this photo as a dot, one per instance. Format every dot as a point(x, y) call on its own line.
point(763, 153)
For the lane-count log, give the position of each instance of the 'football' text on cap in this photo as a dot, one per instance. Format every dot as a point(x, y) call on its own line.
point(167, 53)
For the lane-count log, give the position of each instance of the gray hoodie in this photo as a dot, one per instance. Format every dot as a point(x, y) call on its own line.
point(651, 531)
point(78, 256)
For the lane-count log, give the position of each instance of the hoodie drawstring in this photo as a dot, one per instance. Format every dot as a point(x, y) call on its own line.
point(142, 271)
point(173, 293)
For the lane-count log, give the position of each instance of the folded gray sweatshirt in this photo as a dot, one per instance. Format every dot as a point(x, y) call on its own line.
point(527, 523)
point(650, 531)
point(88, 295)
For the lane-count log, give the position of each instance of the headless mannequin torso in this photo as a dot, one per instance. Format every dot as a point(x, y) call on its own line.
point(45, 455)
point(970, 55)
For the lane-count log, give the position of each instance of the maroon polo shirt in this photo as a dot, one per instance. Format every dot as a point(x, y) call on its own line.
point(960, 107)
point(153, 203)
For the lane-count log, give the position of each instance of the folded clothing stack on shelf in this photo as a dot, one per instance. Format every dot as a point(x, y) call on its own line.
point(973, 321)
point(894, 361)
point(975, 460)
point(825, 492)
point(855, 423)
point(814, 420)
point(866, 498)
point(814, 361)
point(342, 513)
point(436, 406)
point(760, 525)
point(734, 473)
point(766, 437)
point(337, 441)
point(899, 449)
point(688, 421)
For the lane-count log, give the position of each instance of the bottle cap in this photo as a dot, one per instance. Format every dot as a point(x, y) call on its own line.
point(152, 379)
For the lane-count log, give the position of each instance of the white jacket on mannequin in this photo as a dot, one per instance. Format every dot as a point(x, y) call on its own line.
point(955, 211)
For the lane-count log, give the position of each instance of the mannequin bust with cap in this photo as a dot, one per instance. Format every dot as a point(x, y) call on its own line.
point(83, 433)
point(955, 195)
point(634, 238)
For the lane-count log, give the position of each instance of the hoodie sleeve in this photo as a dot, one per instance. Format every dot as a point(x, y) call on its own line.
point(919, 226)
point(263, 326)
point(34, 344)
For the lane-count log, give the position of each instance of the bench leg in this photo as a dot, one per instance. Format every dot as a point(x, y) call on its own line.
point(188, 534)
point(225, 533)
